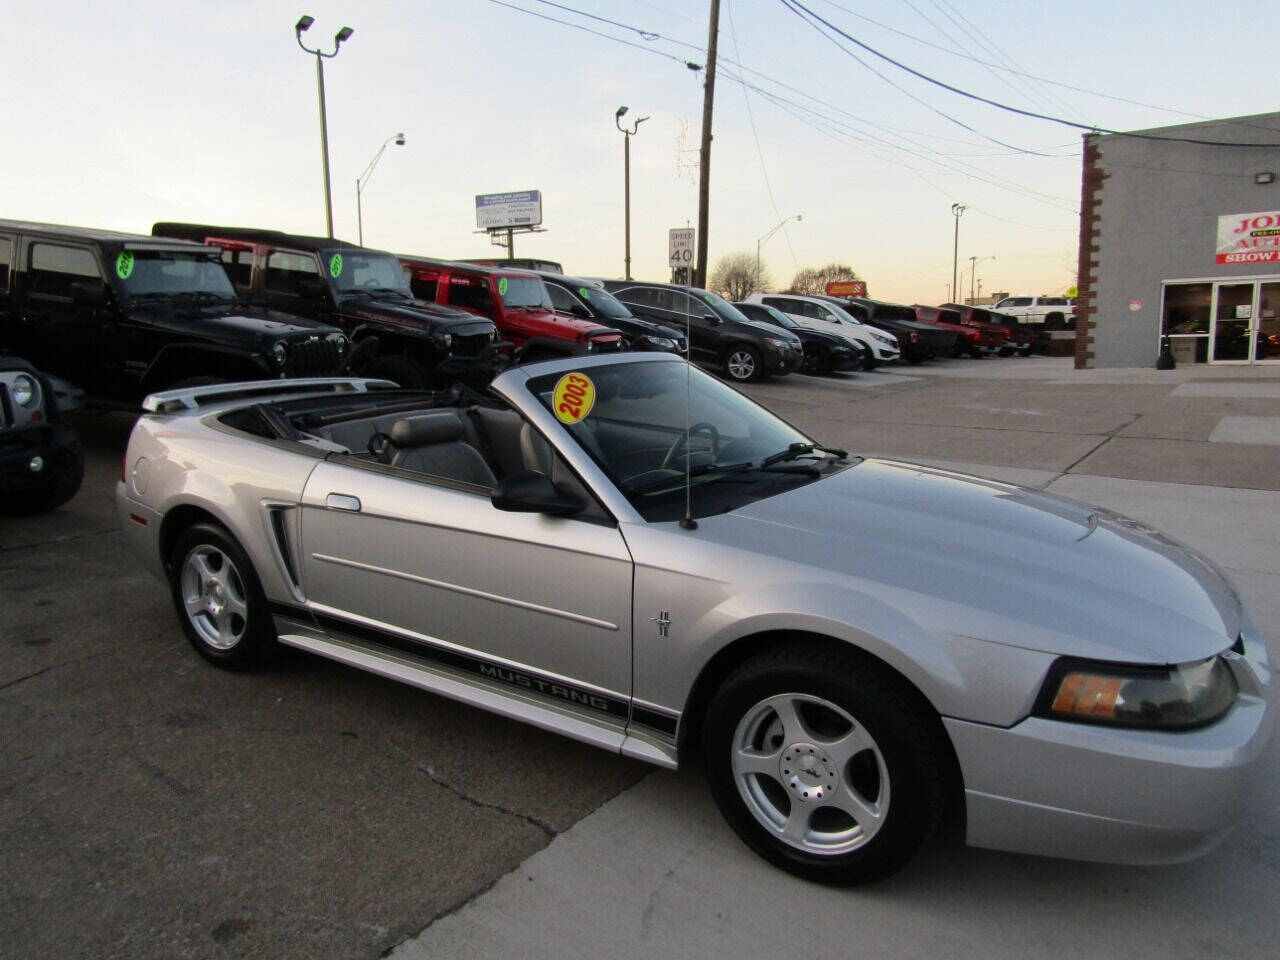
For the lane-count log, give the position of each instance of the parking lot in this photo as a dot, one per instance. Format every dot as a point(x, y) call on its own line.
point(152, 806)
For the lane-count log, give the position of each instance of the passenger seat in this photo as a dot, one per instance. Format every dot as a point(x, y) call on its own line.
point(432, 443)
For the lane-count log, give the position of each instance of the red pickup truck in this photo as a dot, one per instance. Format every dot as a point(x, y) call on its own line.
point(516, 301)
point(974, 341)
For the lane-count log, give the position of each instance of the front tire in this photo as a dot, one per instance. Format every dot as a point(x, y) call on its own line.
point(219, 600)
point(826, 764)
point(742, 364)
point(407, 372)
point(65, 474)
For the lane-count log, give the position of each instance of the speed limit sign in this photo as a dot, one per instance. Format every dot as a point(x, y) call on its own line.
point(680, 247)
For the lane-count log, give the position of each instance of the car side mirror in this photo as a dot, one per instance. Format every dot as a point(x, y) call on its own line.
point(310, 288)
point(88, 293)
point(531, 492)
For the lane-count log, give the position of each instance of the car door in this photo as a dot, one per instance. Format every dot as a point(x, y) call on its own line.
point(292, 283)
point(57, 332)
point(537, 603)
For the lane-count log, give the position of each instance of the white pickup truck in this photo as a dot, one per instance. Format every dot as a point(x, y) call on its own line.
point(1056, 313)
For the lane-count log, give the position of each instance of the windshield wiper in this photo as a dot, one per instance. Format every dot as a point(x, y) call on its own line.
point(700, 470)
point(203, 295)
point(797, 450)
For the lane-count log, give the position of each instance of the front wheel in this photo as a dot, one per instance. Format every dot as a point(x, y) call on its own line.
point(219, 600)
point(405, 371)
point(742, 364)
point(826, 765)
point(64, 474)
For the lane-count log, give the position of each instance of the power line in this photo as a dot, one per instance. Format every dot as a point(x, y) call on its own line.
point(804, 13)
point(733, 31)
point(578, 26)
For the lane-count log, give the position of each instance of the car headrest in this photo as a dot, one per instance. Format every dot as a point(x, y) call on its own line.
point(442, 426)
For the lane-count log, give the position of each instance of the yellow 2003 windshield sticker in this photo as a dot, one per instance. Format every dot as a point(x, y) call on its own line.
point(573, 398)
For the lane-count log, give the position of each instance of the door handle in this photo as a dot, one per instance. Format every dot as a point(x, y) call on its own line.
point(342, 501)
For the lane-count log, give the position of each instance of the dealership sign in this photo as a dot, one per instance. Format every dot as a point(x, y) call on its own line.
point(497, 211)
point(847, 288)
point(1249, 238)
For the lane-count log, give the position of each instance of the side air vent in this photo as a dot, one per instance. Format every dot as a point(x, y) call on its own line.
point(278, 518)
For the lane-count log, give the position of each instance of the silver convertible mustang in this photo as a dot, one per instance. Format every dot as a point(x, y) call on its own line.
point(624, 550)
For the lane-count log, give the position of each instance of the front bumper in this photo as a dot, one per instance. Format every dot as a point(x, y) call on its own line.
point(1087, 792)
point(490, 361)
point(19, 446)
point(779, 361)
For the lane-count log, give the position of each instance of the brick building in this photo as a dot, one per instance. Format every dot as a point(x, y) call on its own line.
point(1182, 239)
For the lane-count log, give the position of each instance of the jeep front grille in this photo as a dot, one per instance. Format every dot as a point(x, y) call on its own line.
point(471, 346)
point(313, 357)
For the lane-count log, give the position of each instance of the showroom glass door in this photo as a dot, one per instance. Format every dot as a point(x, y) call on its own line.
point(1267, 336)
point(1234, 313)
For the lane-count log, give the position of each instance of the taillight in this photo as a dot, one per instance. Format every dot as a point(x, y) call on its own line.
point(914, 336)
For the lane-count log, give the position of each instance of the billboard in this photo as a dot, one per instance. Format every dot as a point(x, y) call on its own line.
point(847, 288)
point(497, 211)
point(1249, 237)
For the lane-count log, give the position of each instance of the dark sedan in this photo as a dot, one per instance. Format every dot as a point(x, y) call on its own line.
point(823, 352)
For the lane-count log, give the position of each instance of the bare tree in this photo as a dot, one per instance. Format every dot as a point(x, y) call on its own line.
point(736, 277)
point(813, 281)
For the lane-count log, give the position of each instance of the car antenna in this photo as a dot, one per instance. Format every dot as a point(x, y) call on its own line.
point(687, 523)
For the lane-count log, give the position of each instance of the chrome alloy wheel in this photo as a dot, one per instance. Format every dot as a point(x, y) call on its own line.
point(810, 774)
point(213, 597)
point(742, 365)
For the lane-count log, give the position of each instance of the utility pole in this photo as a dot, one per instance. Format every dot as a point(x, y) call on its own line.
point(704, 165)
point(957, 211)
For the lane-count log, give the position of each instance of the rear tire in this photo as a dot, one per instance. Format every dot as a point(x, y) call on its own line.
point(219, 600)
point(825, 763)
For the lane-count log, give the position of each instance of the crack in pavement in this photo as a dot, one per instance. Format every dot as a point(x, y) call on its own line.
point(60, 540)
point(548, 831)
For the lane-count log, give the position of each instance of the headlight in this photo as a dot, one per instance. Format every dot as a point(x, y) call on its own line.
point(662, 343)
point(886, 340)
point(493, 335)
point(776, 342)
point(446, 339)
point(26, 392)
point(339, 339)
point(279, 351)
point(1169, 698)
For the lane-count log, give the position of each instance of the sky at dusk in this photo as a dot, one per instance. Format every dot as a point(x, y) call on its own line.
point(119, 115)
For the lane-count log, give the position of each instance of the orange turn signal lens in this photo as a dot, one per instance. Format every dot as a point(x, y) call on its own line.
point(1088, 695)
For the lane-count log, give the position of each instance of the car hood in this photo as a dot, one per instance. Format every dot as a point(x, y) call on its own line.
point(417, 314)
point(237, 321)
point(998, 562)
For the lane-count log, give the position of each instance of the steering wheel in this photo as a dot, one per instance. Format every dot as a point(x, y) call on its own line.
point(380, 446)
point(678, 447)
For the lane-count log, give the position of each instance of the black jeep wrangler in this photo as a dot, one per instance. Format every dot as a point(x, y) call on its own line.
point(120, 315)
point(363, 291)
point(41, 463)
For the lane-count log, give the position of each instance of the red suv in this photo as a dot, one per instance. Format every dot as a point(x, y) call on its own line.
point(974, 341)
point(517, 303)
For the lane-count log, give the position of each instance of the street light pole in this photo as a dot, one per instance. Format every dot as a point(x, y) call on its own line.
point(626, 177)
point(762, 240)
point(957, 211)
point(973, 263)
point(363, 180)
point(304, 23)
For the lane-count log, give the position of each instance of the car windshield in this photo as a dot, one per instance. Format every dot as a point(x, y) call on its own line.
point(172, 273)
point(604, 303)
point(720, 305)
point(780, 318)
point(523, 292)
point(631, 419)
point(359, 271)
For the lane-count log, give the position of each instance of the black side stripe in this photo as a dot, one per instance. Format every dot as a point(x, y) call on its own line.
point(659, 722)
point(521, 679)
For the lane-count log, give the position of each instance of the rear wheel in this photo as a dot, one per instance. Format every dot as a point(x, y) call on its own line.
point(219, 600)
point(406, 371)
point(742, 364)
point(827, 765)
